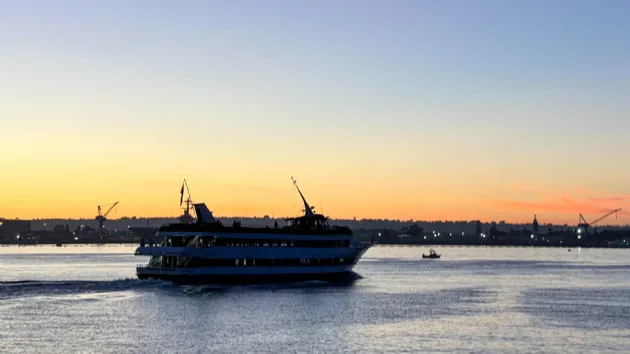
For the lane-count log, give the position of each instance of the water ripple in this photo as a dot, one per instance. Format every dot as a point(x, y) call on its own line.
point(583, 308)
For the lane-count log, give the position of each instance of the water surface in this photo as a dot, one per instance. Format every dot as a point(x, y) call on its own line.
point(86, 299)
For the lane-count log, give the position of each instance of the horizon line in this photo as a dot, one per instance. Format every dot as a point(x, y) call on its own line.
point(331, 218)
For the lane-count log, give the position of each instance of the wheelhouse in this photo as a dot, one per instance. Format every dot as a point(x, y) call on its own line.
point(315, 222)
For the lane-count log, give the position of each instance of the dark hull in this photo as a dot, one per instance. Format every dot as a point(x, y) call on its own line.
point(247, 278)
point(429, 257)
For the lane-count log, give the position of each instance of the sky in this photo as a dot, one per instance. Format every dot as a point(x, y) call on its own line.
point(428, 110)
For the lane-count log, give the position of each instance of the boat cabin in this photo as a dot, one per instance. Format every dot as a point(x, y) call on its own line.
point(316, 221)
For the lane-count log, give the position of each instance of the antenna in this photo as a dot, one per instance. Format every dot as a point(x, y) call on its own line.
point(321, 206)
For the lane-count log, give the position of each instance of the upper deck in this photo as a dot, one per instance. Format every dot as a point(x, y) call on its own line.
point(310, 224)
point(299, 228)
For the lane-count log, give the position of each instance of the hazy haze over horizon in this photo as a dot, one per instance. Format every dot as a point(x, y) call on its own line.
point(491, 110)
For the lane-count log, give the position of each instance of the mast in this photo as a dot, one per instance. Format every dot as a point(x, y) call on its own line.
point(186, 218)
point(188, 190)
point(308, 210)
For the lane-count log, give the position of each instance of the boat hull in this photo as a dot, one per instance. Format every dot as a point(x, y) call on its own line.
point(242, 279)
point(252, 274)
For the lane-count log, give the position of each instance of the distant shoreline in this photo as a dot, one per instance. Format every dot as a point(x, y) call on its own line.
point(376, 244)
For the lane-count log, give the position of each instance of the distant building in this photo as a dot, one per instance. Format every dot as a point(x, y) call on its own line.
point(535, 228)
point(12, 231)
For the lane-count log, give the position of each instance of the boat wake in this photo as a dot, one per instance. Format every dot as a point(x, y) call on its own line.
point(29, 288)
point(32, 288)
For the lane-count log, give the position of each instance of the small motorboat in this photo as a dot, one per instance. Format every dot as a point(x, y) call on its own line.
point(431, 255)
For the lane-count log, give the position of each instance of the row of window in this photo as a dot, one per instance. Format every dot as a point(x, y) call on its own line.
point(204, 242)
point(196, 262)
point(281, 243)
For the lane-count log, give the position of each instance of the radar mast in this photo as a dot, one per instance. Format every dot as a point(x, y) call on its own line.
point(308, 210)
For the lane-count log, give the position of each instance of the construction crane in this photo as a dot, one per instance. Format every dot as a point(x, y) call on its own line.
point(584, 225)
point(101, 217)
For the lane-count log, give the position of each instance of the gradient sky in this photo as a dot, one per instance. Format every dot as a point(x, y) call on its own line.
point(392, 109)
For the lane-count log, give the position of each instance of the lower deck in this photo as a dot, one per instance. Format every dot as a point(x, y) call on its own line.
point(178, 262)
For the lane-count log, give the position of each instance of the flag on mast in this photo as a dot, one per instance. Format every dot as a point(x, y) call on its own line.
point(181, 198)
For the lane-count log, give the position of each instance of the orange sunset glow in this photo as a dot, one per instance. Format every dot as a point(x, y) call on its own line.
point(77, 194)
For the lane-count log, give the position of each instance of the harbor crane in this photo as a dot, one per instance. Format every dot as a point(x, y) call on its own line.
point(584, 225)
point(101, 217)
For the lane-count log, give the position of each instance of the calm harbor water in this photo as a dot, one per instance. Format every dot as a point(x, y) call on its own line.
point(474, 300)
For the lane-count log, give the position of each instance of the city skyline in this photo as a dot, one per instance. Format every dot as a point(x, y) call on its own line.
point(432, 110)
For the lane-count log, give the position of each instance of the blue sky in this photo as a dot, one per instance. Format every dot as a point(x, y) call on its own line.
point(499, 89)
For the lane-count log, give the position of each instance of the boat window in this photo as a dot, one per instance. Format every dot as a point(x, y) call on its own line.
point(226, 242)
point(173, 262)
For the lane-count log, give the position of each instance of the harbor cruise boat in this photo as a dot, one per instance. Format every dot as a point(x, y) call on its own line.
point(205, 251)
